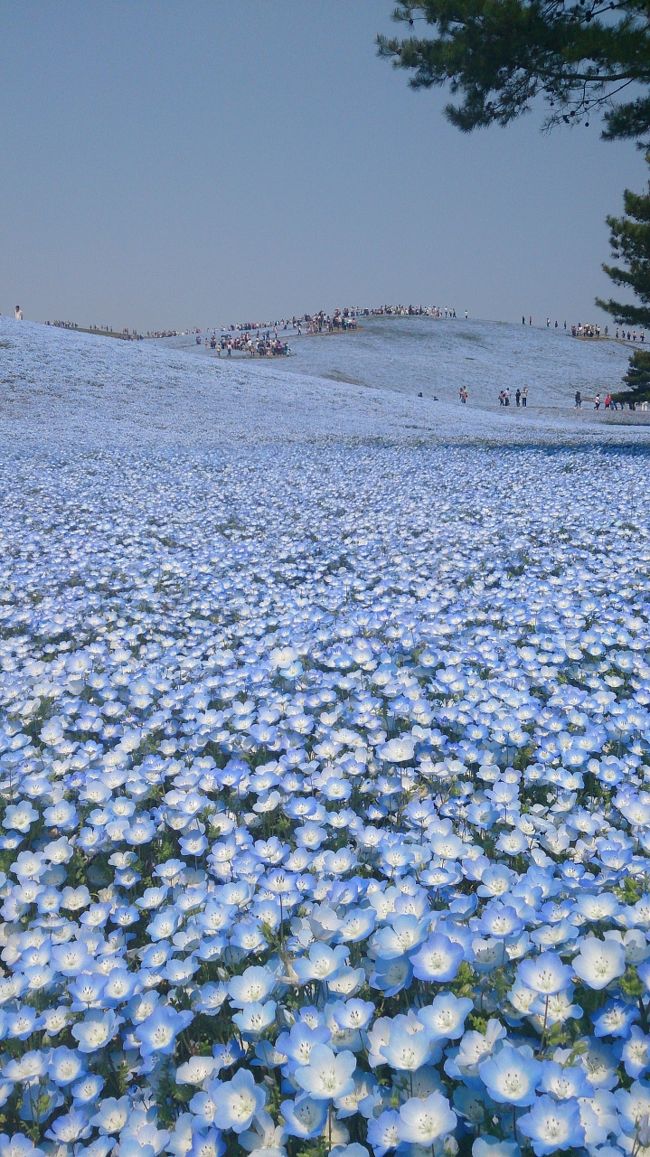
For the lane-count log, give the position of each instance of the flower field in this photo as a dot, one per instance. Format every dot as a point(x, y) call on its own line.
point(325, 812)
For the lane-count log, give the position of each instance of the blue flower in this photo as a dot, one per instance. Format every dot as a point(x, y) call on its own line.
point(327, 1075)
point(422, 1121)
point(552, 1126)
point(157, 1033)
point(237, 1101)
point(545, 973)
point(305, 1117)
point(383, 1132)
point(599, 962)
point(438, 959)
point(96, 1030)
point(511, 1076)
point(406, 1050)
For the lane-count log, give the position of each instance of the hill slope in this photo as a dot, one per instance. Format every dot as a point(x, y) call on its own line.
point(63, 384)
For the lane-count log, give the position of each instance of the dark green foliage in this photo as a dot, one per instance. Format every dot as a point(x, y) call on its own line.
point(630, 242)
point(496, 56)
point(637, 378)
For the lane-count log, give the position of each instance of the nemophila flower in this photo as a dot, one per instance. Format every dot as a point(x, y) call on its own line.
point(29, 1066)
point(237, 1101)
point(391, 976)
point(492, 1147)
point(69, 1128)
point(157, 1033)
point(545, 974)
point(635, 1053)
point(70, 959)
point(18, 1145)
point(196, 1070)
point(300, 1040)
point(255, 984)
point(438, 959)
point(140, 1134)
point(20, 1025)
point(444, 1019)
point(424, 1121)
point(599, 962)
point(383, 1132)
point(552, 1126)
point(304, 1117)
point(327, 1075)
point(255, 1018)
point(511, 1075)
point(87, 1090)
point(564, 1082)
point(95, 1030)
point(321, 963)
point(633, 1106)
point(499, 920)
point(406, 1050)
point(347, 981)
point(64, 1065)
point(599, 1117)
point(615, 1019)
point(112, 1114)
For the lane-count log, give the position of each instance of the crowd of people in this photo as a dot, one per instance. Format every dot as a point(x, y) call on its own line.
point(264, 345)
point(609, 402)
point(589, 330)
point(520, 395)
point(125, 334)
point(321, 321)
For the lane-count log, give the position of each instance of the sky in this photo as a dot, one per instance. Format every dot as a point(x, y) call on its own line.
point(176, 163)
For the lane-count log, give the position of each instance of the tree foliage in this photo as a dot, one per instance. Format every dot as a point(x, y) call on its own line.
point(630, 242)
point(497, 56)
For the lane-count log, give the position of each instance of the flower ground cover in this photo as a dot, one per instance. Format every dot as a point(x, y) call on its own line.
point(325, 817)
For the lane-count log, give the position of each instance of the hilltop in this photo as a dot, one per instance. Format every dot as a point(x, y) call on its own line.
point(64, 384)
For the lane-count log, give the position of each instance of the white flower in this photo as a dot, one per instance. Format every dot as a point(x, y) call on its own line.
point(599, 962)
point(421, 1122)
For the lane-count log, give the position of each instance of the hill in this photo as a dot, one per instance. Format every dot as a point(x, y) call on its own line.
point(66, 384)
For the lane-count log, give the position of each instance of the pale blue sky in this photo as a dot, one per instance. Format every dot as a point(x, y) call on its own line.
point(184, 162)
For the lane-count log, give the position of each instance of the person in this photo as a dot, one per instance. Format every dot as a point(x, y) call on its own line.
point(506, 396)
point(518, 397)
point(524, 396)
point(597, 402)
point(578, 399)
point(608, 401)
point(18, 313)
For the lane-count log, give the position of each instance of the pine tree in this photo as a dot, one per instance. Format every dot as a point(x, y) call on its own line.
point(497, 56)
point(630, 242)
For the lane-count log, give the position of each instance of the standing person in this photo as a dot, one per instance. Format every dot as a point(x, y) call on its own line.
point(578, 399)
point(517, 397)
point(524, 396)
point(506, 397)
point(597, 402)
point(18, 313)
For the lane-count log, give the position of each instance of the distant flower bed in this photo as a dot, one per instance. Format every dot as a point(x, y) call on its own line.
point(325, 821)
